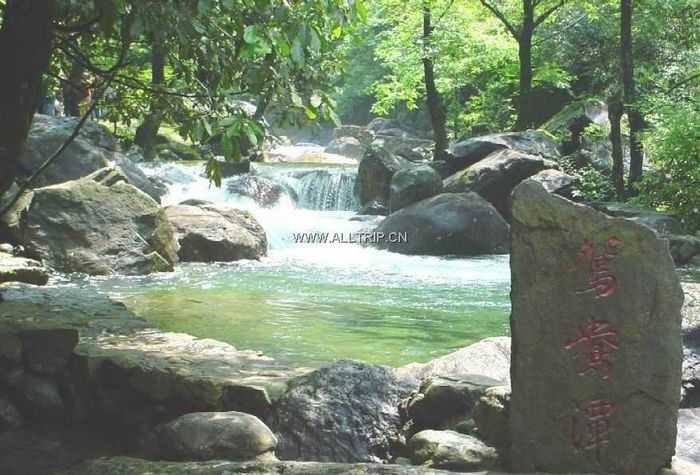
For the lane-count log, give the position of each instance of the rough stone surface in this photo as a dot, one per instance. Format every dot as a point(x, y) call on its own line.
point(48, 351)
point(10, 417)
point(374, 208)
point(98, 225)
point(461, 224)
point(93, 149)
point(347, 147)
point(489, 357)
point(495, 176)
point(661, 222)
point(566, 315)
point(263, 191)
point(555, 181)
point(211, 233)
point(492, 416)
point(39, 397)
point(21, 269)
point(214, 435)
point(345, 412)
point(401, 144)
point(452, 451)
point(688, 442)
point(132, 466)
point(470, 151)
point(414, 184)
point(684, 248)
point(445, 403)
point(362, 134)
point(374, 175)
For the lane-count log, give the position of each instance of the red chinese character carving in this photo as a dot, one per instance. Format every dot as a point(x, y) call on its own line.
point(601, 280)
point(596, 339)
point(597, 415)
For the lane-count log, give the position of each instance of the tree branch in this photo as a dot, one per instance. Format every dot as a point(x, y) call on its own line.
point(682, 83)
point(501, 17)
point(540, 19)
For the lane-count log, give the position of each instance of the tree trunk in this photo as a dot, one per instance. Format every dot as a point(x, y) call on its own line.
point(524, 120)
point(25, 49)
point(615, 111)
point(630, 95)
point(74, 90)
point(437, 113)
point(147, 133)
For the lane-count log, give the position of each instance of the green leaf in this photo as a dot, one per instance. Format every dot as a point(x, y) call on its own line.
point(250, 34)
point(310, 113)
point(297, 100)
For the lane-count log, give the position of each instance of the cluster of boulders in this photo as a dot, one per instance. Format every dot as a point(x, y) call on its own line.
point(94, 211)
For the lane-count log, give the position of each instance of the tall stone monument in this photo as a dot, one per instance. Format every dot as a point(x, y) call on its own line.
point(596, 327)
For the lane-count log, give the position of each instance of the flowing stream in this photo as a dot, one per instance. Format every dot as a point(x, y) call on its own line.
point(309, 304)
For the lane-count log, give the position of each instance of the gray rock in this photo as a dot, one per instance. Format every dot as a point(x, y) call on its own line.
point(345, 412)
point(39, 398)
point(412, 185)
point(10, 417)
point(230, 168)
point(374, 208)
point(684, 248)
point(10, 348)
point(608, 340)
point(404, 146)
point(661, 222)
point(688, 440)
point(492, 417)
point(21, 269)
point(263, 191)
point(347, 147)
point(495, 176)
point(558, 182)
point(93, 149)
point(362, 134)
point(216, 233)
point(445, 403)
point(374, 175)
point(98, 225)
point(215, 435)
point(468, 152)
point(489, 357)
point(49, 351)
point(452, 451)
point(461, 224)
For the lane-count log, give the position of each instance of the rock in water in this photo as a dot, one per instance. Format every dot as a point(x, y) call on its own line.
point(452, 451)
point(346, 412)
point(596, 328)
point(374, 175)
point(413, 184)
point(20, 269)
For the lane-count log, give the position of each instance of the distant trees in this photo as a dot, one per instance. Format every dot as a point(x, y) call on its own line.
point(437, 113)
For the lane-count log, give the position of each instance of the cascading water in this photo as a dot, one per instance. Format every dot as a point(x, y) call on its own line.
point(313, 302)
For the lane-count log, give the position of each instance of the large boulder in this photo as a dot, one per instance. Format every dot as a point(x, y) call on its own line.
point(403, 145)
point(568, 125)
point(662, 223)
point(97, 225)
point(531, 142)
point(345, 412)
point(452, 451)
point(413, 184)
point(684, 248)
point(492, 416)
point(362, 134)
point(21, 269)
point(489, 357)
point(558, 182)
point(347, 147)
point(213, 233)
point(265, 192)
point(495, 176)
point(94, 148)
point(213, 435)
point(461, 224)
point(374, 175)
point(596, 333)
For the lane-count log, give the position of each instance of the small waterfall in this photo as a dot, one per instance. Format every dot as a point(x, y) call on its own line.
point(328, 190)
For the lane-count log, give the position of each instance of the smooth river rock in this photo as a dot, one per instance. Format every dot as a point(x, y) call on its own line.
point(452, 451)
point(374, 175)
point(596, 329)
point(413, 184)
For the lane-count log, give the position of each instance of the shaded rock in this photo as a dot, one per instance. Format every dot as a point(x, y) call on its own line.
point(347, 147)
point(10, 417)
point(452, 451)
point(362, 134)
point(495, 176)
point(573, 119)
point(492, 417)
point(489, 357)
point(690, 383)
point(39, 398)
point(93, 149)
point(231, 168)
point(135, 176)
point(558, 182)
point(380, 124)
point(684, 248)
point(468, 152)
point(215, 435)
point(413, 184)
point(196, 202)
point(214, 233)
point(688, 439)
point(461, 224)
point(374, 208)
point(98, 225)
point(171, 150)
point(660, 222)
point(263, 191)
point(48, 351)
point(345, 412)
point(404, 146)
point(10, 348)
point(374, 175)
point(20, 269)
point(445, 403)
point(636, 317)
point(132, 466)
